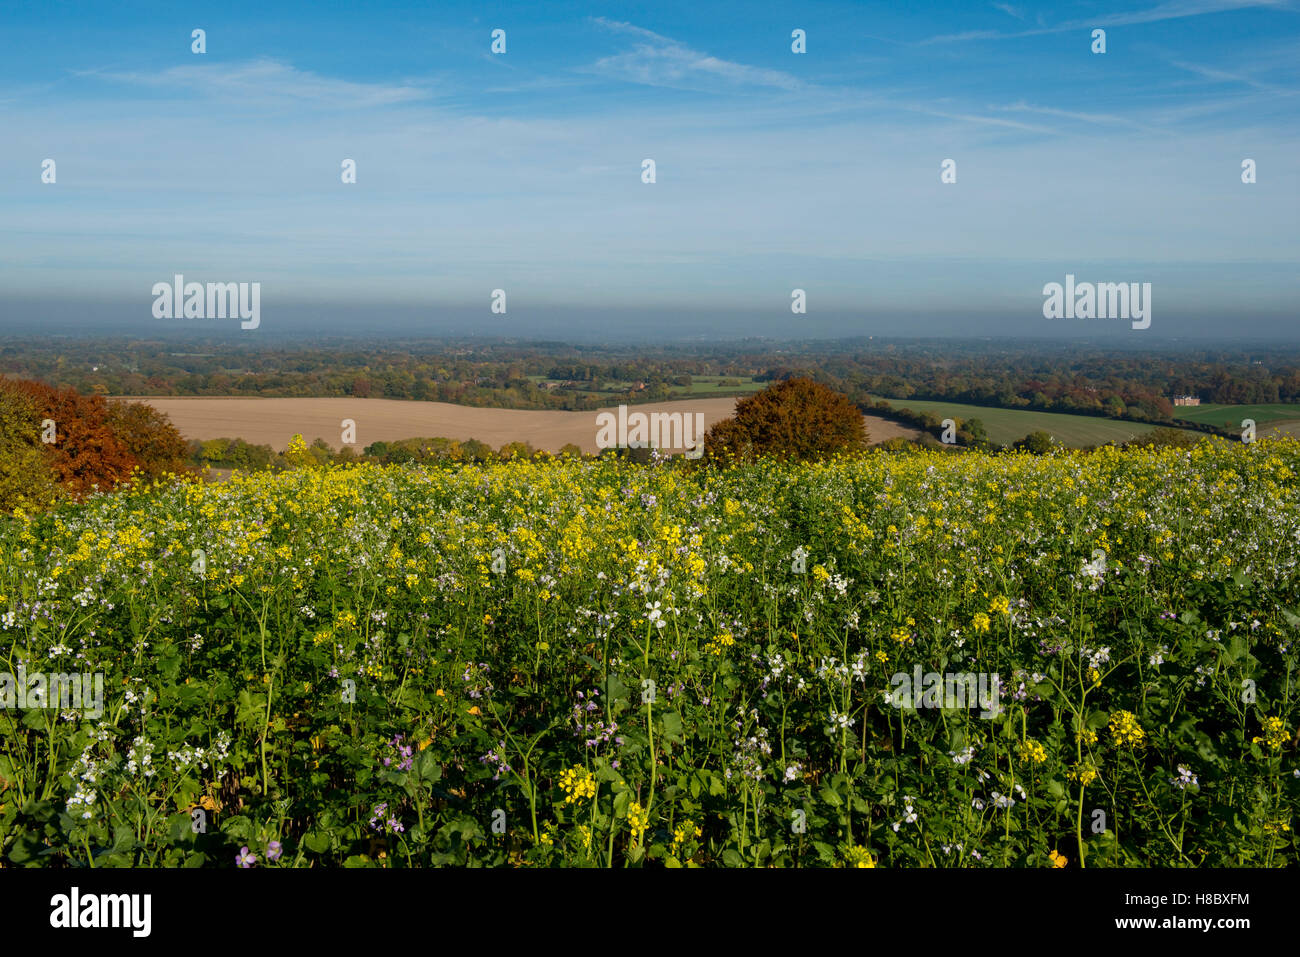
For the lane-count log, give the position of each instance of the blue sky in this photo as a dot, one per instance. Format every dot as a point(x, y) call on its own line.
point(775, 170)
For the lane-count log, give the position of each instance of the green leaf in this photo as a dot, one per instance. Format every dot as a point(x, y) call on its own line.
point(427, 767)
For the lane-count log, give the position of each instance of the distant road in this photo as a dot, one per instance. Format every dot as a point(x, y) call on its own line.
point(274, 422)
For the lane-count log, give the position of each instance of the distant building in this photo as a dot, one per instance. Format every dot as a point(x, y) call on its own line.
point(1186, 400)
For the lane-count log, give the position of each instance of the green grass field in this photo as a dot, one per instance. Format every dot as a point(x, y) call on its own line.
point(711, 385)
point(1230, 416)
point(1010, 425)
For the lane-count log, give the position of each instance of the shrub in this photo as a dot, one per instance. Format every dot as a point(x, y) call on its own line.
point(26, 480)
point(1163, 438)
point(1039, 443)
point(796, 419)
point(149, 437)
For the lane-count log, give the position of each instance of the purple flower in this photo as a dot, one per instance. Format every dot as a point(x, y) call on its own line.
point(245, 859)
point(273, 851)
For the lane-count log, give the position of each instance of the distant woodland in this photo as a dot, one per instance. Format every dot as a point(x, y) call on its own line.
point(1121, 384)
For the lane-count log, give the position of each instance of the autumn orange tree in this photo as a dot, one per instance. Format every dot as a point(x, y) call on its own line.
point(796, 419)
point(85, 453)
point(86, 443)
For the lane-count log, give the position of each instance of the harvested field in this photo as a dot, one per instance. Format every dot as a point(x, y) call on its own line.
point(274, 422)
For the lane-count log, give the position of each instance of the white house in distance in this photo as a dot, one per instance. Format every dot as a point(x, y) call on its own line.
point(1185, 400)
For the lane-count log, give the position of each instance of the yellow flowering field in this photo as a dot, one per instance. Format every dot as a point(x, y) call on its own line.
point(898, 660)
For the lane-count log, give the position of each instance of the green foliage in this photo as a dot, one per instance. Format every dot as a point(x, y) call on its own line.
point(796, 419)
point(1039, 443)
point(1167, 438)
point(26, 480)
point(374, 661)
point(149, 437)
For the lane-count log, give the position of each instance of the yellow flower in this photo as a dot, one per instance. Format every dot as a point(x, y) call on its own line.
point(1275, 733)
point(684, 832)
point(980, 623)
point(638, 819)
point(1000, 605)
point(1033, 752)
point(1085, 774)
point(577, 783)
point(855, 856)
point(1126, 730)
point(720, 644)
point(1058, 859)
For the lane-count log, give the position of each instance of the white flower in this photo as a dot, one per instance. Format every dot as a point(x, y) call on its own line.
point(839, 722)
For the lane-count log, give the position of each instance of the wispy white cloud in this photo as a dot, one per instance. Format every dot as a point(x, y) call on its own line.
point(983, 120)
point(1226, 76)
point(267, 80)
point(657, 60)
point(1072, 115)
point(1170, 10)
point(1009, 10)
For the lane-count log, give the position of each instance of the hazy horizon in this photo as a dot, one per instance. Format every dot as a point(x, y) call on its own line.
point(775, 170)
point(300, 321)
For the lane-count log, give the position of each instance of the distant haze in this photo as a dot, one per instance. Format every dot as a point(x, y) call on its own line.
point(301, 323)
